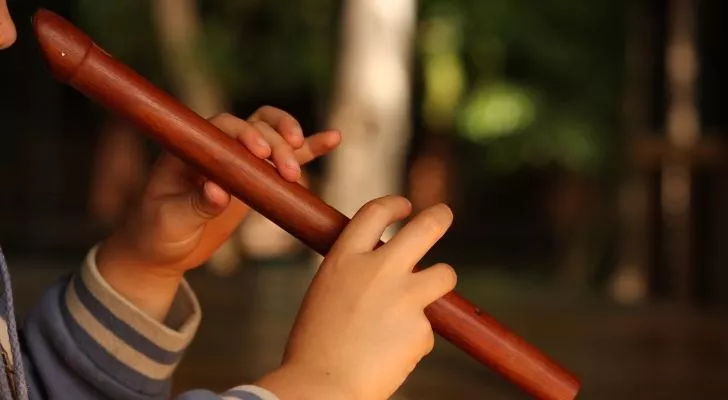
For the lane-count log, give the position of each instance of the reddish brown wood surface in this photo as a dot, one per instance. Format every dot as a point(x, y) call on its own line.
point(74, 59)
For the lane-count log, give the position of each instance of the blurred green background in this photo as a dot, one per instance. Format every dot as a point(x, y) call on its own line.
point(580, 144)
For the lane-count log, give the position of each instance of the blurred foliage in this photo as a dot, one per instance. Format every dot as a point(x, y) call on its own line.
point(497, 110)
point(252, 46)
point(440, 42)
point(274, 46)
point(532, 83)
point(126, 30)
point(542, 78)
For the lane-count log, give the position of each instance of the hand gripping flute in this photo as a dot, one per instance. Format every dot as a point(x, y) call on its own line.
point(74, 59)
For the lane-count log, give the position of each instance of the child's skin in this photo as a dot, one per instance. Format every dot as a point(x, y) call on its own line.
point(182, 218)
point(361, 329)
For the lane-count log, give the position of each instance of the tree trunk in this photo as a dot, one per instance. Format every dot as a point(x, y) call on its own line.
point(683, 131)
point(371, 103)
point(178, 27)
point(629, 282)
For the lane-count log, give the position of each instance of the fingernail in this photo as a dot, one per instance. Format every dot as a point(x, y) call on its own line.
point(297, 131)
point(292, 165)
point(262, 143)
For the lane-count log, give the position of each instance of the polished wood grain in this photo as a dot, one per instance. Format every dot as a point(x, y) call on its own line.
point(74, 59)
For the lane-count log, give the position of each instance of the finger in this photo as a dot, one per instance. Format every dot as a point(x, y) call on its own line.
point(370, 222)
point(282, 155)
point(7, 27)
point(317, 145)
point(181, 216)
point(171, 176)
point(218, 230)
point(282, 122)
point(214, 198)
point(416, 238)
point(430, 284)
point(244, 132)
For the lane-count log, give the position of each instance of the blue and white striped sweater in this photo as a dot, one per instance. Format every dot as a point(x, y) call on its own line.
point(84, 341)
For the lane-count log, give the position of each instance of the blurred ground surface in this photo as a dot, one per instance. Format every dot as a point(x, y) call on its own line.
point(654, 352)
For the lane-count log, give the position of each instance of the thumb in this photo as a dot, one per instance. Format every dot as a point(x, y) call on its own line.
point(7, 28)
point(184, 215)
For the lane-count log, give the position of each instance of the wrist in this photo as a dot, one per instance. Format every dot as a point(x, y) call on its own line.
point(300, 383)
point(150, 289)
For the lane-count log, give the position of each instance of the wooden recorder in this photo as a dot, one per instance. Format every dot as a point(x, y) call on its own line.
point(76, 60)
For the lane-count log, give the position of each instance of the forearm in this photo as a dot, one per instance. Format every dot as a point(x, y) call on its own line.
point(289, 382)
point(282, 384)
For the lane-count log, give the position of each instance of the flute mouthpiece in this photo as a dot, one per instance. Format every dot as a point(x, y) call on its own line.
point(62, 45)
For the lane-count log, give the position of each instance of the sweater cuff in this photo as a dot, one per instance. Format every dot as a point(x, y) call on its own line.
point(142, 344)
point(248, 392)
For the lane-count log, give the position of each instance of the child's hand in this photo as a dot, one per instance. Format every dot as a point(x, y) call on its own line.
point(362, 328)
point(182, 218)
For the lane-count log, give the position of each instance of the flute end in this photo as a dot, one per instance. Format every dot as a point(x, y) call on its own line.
point(62, 45)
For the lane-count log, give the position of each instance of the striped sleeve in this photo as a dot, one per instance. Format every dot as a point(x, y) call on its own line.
point(87, 341)
point(245, 392)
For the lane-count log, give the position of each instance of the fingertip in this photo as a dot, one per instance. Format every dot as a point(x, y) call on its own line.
point(370, 222)
point(443, 207)
point(216, 196)
point(450, 276)
point(436, 281)
point(443, 213)
point(333, 138)
point(8, 33)
point(290, 171)
point(406, 205)
point(263, 146)
point(262, 152)
point(397, 206)
point(253, 140)
point(294, 137)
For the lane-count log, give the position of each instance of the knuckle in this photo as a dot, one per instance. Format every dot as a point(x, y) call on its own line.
point(265, 112)
point(382, 207)
point(375, 207)
point(424, 329)
point(430, 343)
point(431, 224)
point(256, 126)
point(436, 220)
point(332, 259)
point(266, 108)
point(221, 117)
point(282, 150)
point(230, 124)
